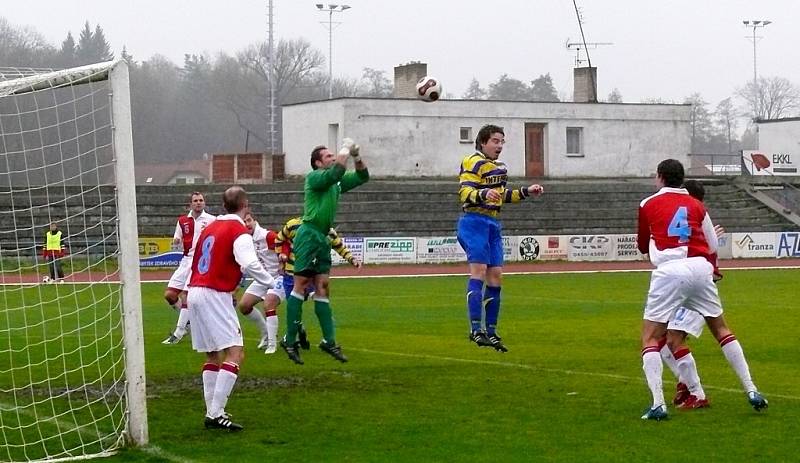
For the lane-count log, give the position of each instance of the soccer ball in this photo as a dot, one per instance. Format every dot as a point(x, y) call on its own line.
point(46, 279)
point(429, 89)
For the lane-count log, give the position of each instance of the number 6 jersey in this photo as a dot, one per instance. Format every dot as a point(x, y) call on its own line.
point(673, 225)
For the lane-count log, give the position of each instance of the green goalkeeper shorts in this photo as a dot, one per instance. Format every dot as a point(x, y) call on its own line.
point(312, 251)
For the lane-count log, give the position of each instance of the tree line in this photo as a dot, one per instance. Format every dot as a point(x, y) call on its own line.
point(210, 104)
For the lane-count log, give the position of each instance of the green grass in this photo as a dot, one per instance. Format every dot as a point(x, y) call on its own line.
point(570, 389)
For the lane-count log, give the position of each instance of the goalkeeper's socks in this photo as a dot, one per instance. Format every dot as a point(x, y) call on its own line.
point(491, 300)
point(226, 378)
point(210, 371)
point(475, 303)
point(322, 307)
point(294, 316)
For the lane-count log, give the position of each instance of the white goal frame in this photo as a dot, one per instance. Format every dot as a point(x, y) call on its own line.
point(116, 72)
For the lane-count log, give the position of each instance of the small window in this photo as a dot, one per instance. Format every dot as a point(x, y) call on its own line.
point(465, 135)
point(180, 181)
point(574, 141)
point(199, 180)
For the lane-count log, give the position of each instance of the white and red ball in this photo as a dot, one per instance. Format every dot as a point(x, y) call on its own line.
point(429, 89)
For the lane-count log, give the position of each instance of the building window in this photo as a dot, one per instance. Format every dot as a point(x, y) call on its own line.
point(180, 181)
point(574, 141)
point(465, 135)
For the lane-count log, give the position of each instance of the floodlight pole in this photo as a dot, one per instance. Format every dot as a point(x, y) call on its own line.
point(332, 8)
point(755, 24)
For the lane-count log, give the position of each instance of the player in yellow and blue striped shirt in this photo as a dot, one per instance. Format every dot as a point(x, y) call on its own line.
point(483, 192)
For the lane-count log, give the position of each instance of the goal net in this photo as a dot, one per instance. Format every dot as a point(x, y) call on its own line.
point(71, 351)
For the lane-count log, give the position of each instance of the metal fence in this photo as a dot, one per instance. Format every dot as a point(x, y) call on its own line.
point(715, 164)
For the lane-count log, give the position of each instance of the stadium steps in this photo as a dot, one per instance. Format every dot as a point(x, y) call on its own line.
point(379, 208)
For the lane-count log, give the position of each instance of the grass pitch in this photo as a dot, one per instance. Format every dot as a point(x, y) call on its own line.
point(570, 389)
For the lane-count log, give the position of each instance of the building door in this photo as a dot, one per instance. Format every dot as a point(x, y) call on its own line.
point(534, 150)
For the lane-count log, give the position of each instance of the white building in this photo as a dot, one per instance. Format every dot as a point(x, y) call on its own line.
point(403, 137)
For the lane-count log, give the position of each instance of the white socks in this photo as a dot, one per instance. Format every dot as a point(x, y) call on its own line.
point(735, 356)
point(258, 318)
point(226, 378)
point(272, 328)
point(653, 368)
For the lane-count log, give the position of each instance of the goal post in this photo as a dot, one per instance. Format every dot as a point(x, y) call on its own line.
point(72, 369)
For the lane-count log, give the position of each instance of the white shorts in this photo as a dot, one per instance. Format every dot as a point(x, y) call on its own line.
point(687, 321)
point(260, 291)
point(682, 283)
point(215, 325)
point(180, 277)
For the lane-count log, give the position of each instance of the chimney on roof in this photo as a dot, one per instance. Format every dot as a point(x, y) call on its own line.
point(585, 85)
point(406, 77)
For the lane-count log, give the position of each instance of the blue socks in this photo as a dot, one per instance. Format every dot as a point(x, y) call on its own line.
point(475, 303)
point(491, 298)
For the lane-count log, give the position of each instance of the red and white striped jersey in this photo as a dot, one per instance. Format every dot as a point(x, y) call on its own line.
point(188, 230)
point(673, 225)
point(264, 241)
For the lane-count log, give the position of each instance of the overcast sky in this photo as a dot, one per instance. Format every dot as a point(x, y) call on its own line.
point(661, 49)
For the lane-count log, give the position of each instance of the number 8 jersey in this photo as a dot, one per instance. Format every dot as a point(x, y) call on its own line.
point(673, 225)
point(214, 265)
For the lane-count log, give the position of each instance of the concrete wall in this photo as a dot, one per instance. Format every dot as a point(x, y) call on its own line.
point(413, 138)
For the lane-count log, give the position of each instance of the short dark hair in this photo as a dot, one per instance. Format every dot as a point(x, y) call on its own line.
point(485, 133)
point(195, 193)
point(316, 155)
point(671, 172)
point(233, 199)
point(695, 188)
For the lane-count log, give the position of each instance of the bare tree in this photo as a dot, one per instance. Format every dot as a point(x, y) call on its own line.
point(474, 91)
point(726, 117)
point(772, 98)
point(378, 85)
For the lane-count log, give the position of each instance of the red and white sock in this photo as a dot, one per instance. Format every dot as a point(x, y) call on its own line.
point(272, 325)
point(226, 378)
point(688, 372)
point(735, 356)
point(210, 371)
point(669, 360)
point(653, 368)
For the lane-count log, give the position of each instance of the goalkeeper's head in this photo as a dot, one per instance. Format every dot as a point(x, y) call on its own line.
point(322, 157)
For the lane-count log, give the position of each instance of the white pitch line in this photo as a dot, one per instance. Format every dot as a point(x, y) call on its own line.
point(523, 366)
point(163, 454)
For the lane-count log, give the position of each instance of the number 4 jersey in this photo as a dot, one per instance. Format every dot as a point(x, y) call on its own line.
point(673, 225)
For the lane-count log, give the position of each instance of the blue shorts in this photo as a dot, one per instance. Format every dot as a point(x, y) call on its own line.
point(481, 238)
point(288, 286)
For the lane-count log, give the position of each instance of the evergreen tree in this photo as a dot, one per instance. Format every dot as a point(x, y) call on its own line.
point(615, 96)
point(542, 89)
point(84, 53)
point(102, 48)
point(508, 88)
point(474, 91)
point(66, 55)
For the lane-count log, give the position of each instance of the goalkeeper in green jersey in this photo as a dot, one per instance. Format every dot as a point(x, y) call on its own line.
point(312, 248)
